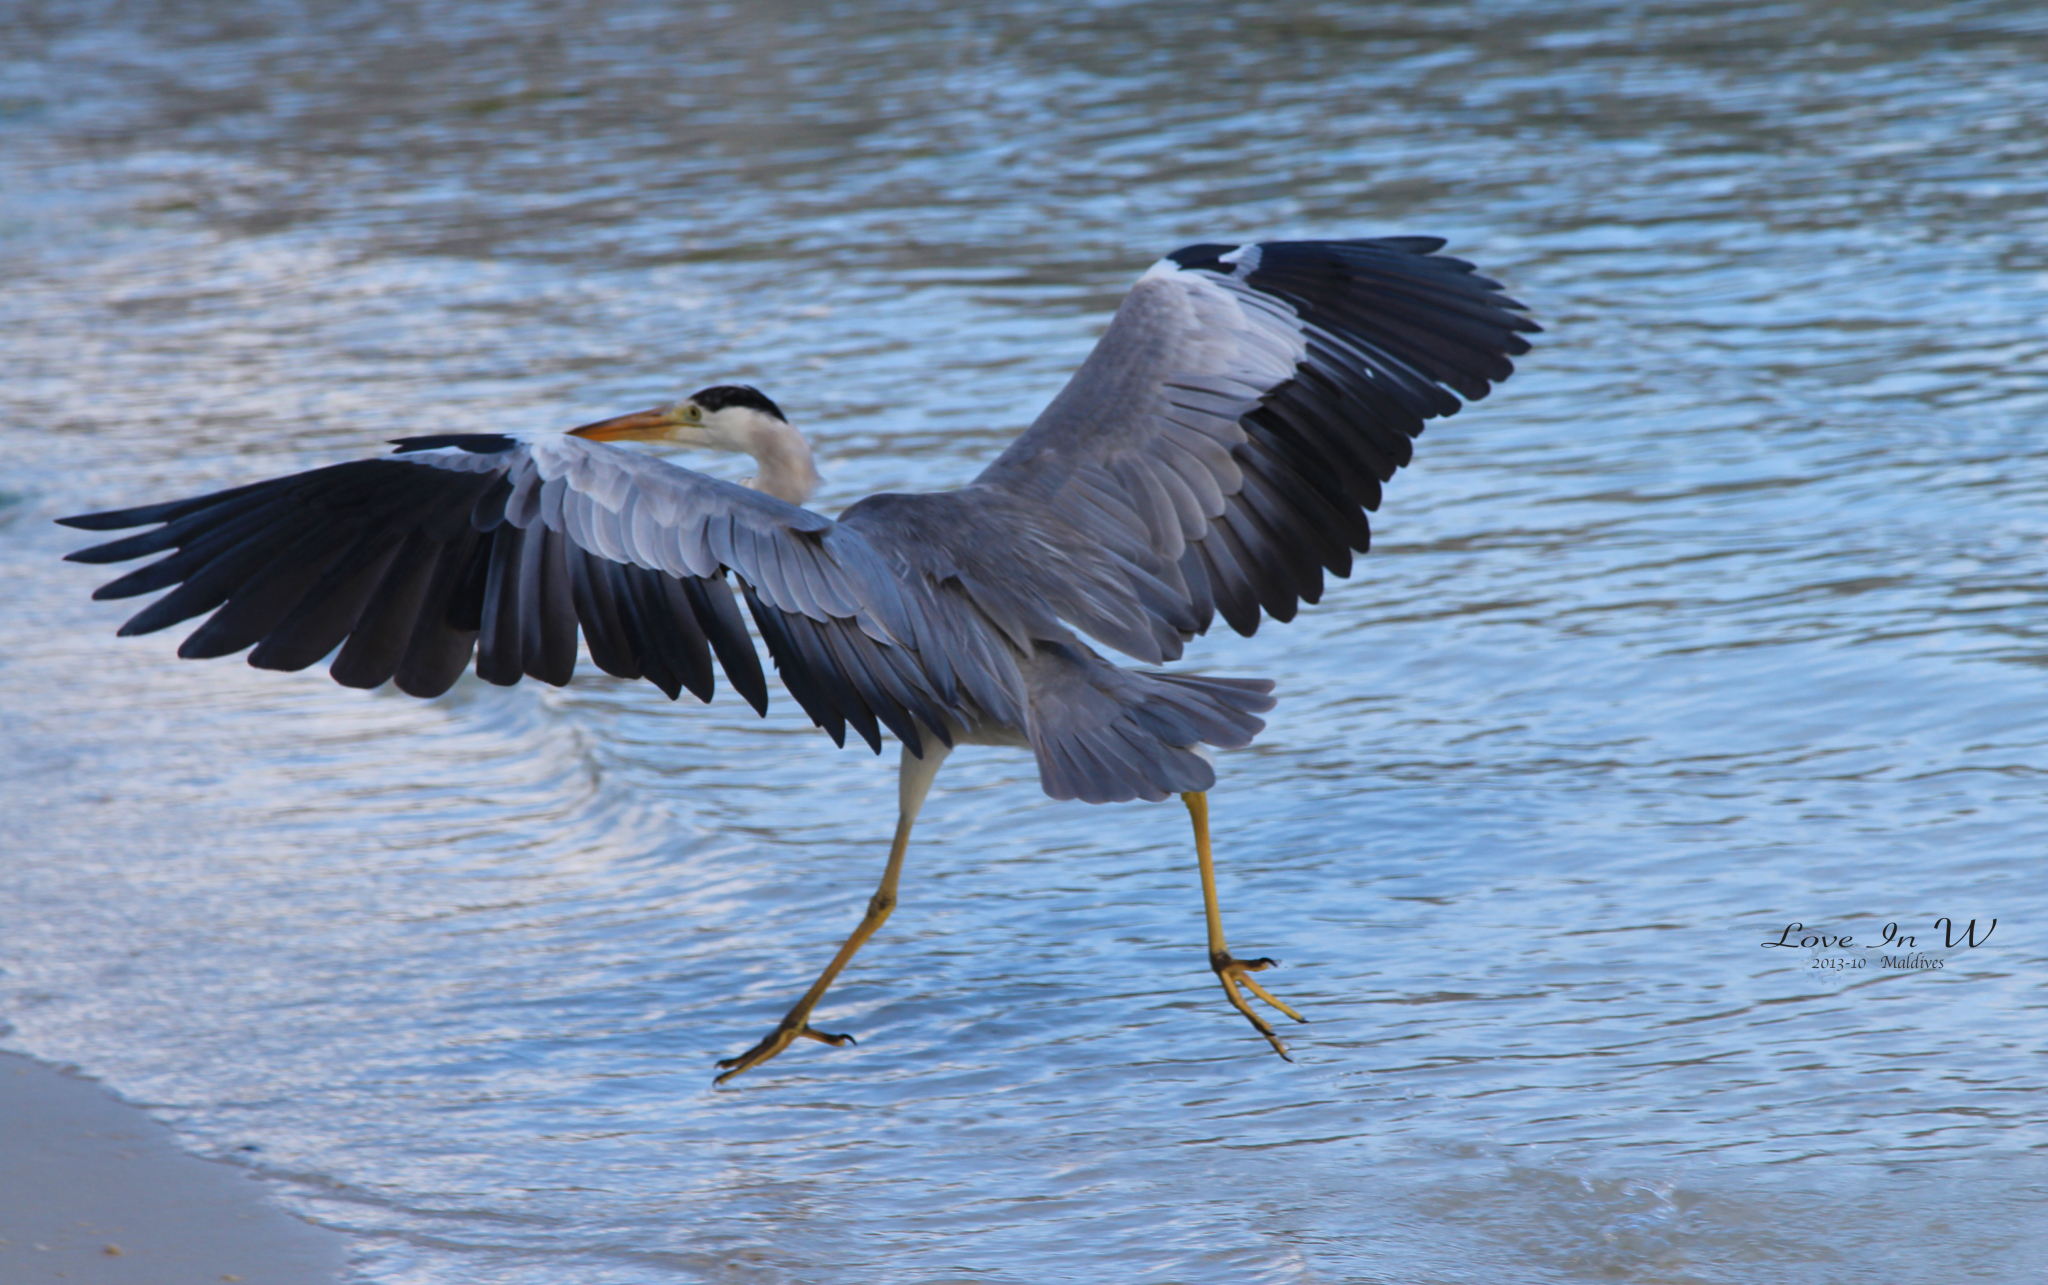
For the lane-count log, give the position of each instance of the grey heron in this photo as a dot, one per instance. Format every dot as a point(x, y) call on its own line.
point(1214, 455)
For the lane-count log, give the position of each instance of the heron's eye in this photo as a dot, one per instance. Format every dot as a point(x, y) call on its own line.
point(693, 414)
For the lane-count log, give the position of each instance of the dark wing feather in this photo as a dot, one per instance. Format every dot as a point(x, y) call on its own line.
point(1235, 423)
point(376, 634)
point(504, 549)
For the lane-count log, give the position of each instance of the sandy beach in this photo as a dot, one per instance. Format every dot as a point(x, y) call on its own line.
point(92, 1192)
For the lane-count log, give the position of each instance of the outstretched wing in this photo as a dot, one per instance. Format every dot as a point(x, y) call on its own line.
point(501, 547)
point(1231, 428)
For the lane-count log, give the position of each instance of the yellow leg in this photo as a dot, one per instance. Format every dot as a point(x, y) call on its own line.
point(1228, 970)
point(914, 783)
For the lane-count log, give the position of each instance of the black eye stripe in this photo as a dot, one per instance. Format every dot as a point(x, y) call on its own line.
point(719, 396)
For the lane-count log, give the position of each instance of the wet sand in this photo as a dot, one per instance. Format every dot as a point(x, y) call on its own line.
point(92, 1192)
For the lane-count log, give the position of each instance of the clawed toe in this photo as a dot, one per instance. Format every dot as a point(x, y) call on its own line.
point(778, 1039)
point(1234, 972)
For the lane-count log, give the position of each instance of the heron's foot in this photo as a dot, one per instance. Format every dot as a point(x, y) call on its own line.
point(777, 1040)
point(1235, 972)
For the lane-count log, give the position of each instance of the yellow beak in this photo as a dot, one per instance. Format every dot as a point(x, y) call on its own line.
point(641, 426)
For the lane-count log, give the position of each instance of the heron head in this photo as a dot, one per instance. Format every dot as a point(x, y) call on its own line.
point(724, 417)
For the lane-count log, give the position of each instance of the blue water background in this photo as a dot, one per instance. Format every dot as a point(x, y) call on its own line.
point(1726, 613)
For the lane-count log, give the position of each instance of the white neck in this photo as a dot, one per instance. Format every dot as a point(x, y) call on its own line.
point(787, 471)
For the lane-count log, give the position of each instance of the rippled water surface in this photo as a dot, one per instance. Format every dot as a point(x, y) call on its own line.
point(1726, 613)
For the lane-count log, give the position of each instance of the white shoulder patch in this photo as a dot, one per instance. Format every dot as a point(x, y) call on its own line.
point(1230, 329)
point(1245, 258)
point(453, 459)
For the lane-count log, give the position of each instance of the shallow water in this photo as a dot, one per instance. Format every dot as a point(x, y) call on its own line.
point(1724, 614)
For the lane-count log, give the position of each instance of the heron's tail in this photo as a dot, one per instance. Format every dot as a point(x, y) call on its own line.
point(1107, 735)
